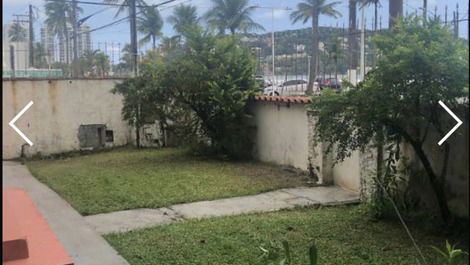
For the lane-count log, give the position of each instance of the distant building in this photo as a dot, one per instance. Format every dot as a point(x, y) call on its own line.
point(15, 54)
point(47, 40)
point(58, 52)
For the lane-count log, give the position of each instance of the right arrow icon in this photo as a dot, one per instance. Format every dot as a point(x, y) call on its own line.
point(459, 122)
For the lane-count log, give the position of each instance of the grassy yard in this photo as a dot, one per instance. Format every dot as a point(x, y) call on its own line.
point(343, 235)
point(128, 178)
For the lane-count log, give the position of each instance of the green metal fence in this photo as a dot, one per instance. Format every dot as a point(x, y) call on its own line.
point(43, 73)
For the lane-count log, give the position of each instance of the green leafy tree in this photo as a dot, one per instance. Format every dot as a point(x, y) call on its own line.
point(217, 90)
point(231, 15)
point(150, 24)
point(101, 61)
point(17, 33)
point(40, 56)
point(398, 101)
point(312, 9)
point(125, 66)
point(183, 16)
point(137, 107)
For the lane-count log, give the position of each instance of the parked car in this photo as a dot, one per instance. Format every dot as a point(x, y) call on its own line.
point(291, 88)
point(269, 91)
point(331, 83)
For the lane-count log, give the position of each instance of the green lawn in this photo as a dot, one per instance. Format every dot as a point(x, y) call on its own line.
point(128, 178)
point(343, 235)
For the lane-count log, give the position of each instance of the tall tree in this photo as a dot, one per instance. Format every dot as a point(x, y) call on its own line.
point(376, 11)
point(17, 33)
point(57, 20)
point(352, 37)
point(395, 10)
point(231, 15)
point(401, 94)
point(150, 23)
point(183, 16)
point(39, 56)
point(311, 10)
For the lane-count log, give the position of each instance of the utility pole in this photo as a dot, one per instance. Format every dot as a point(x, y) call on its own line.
point(31, 37)
point(445, 16)
point(133, 23)
point(425, 10)
point(457, 22)
point(362, 64)
point(75, 35)
point(435, 12)
point(272, 40)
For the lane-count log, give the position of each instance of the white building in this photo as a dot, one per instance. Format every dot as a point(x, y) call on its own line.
point(58, 52)
point(15, 54)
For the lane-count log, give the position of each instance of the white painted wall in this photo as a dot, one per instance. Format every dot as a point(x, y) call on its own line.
point(60, 107)
point(284, 136)
point(281, 133)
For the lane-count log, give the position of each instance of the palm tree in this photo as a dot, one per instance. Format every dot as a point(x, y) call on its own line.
point(150, 23)
point(17, 33)
point(395, 8)
point(312, 9)
point(101, 63)
point(57, 20)
point(40, 56)
point(183, 16)
point(376, 5)
point(352, 38)
point(169, 44)
point(232, 15)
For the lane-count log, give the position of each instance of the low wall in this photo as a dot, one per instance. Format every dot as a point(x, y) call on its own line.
point(59, 108)
point(284, 136)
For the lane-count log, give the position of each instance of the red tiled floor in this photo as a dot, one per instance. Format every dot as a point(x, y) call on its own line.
point(23, 222)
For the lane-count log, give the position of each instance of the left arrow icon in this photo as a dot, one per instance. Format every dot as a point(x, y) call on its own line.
point(12, 123)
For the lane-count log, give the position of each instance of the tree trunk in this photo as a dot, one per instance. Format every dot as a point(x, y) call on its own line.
point(352, 38)
point(137, 127)
point(395, 10)
point(336, 70)
point(313, 62)
point(437, 183)
point(66, 33)
point(153, 42)
point(375, 15)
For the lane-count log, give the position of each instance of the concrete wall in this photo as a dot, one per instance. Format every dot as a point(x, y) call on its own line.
point(281, 133)
point(284, 135)
point(60, 107)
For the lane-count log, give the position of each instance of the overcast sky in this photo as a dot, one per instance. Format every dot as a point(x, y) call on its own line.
point(120, 32)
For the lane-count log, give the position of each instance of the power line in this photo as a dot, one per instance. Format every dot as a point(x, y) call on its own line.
point(122, 19)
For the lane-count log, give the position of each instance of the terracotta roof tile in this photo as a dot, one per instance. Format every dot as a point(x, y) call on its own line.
point(286, 99)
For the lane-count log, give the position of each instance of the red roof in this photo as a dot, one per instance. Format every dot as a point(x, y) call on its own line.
point(286, 99)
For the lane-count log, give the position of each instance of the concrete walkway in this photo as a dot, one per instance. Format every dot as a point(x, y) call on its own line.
point(270, 201)
point(82, 243)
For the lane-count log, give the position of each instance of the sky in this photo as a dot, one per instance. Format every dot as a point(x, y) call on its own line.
point(120, 32)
